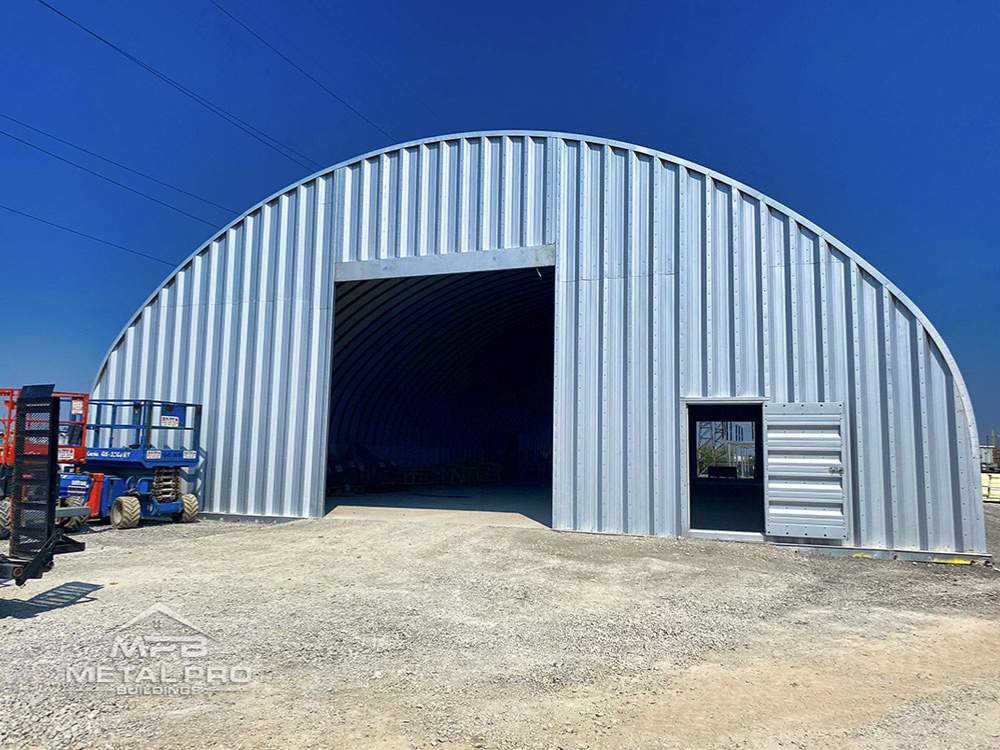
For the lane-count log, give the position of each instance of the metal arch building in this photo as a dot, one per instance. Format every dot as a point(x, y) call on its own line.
point(674, 294)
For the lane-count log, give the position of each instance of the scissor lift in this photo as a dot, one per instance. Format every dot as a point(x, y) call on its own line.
point(137, 450)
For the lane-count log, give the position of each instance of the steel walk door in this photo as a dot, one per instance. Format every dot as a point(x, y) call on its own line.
point(805, 482)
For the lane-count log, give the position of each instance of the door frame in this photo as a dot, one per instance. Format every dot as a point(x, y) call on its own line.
point(451, 264)
point(685, 498)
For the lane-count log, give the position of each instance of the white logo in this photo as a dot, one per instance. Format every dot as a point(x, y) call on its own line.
point(106, 453)
point(159, 652)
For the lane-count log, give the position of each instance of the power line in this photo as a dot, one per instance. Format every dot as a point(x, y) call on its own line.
point(122, 185)
point(117, 163)
point(303, 71)
point(389, 75)
point(270, 141)
point(88, 236)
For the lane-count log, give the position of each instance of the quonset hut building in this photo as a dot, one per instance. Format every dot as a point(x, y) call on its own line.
point(665, 350)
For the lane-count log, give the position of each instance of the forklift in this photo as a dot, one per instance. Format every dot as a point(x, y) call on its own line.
point(136, 454)
point(70, 452)
point(35, 538)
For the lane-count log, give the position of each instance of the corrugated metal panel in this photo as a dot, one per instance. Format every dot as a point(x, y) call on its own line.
point(672, 280)
point(805, 488)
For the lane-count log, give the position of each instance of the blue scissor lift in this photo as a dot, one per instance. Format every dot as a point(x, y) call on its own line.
point(137, 450)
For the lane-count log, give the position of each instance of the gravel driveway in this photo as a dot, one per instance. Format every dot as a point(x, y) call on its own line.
point(417, 633)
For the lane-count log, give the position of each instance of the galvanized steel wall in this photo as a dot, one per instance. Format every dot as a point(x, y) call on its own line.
point(672, 282)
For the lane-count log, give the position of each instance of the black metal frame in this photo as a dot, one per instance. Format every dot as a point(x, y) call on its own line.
point(701, 489)
point(34, 537)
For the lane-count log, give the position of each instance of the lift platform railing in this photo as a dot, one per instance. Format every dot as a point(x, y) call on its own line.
point(8, 413)
point(71, 422)
point(143, 430)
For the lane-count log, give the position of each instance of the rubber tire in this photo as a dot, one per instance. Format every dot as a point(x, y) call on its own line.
point(73, 523)
point(5, 519)
point(126, 512)
point(190, 509)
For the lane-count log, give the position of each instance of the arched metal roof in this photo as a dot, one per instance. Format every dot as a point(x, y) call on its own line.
point(743, 188)
point(596, 201)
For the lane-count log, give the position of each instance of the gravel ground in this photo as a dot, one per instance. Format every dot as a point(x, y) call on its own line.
point(413, 634)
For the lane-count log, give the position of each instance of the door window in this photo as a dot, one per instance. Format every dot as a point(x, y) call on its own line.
point(726, 449)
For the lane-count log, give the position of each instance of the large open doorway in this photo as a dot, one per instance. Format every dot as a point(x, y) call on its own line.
point(441, 396)
point(725, 468)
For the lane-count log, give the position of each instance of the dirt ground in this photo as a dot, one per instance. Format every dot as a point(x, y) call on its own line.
point(405, 632)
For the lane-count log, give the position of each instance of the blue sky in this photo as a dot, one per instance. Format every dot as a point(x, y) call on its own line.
point(878, 121)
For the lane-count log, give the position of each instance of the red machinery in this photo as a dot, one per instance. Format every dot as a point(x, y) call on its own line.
point(8, 410)
point(72, 448)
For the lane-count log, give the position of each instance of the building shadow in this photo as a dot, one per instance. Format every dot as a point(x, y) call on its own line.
point(57, 597)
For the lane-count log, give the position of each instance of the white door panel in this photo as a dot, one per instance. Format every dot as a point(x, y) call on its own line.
point(805, 484)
